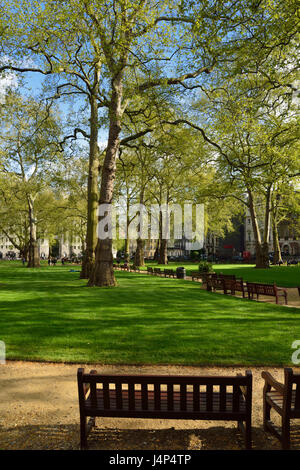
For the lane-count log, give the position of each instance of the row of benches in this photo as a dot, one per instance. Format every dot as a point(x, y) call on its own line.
point(227, 398)
point(230, 285)
point(160, 272)
point(226, 282)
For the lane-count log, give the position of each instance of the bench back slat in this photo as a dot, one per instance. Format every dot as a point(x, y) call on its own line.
point(170, 395)
point(183, 398)
point(235, 398)
point(196, 398)
point(222, 397)
point(131, 396)
point(144, 397)
point(157, 396)
point(93, 394)
point(209, 397)
point(106, 399)
point(119, 397)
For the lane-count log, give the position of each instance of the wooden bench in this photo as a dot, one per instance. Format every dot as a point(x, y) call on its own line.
point(196, 275)
point(283, 398)
point(169, 273)
point(227, 398)
point(157, 271)
point(149, 270)
point(266, 289)
point(134, 268)
point(215, 282)
point(124, 267)
point(206, 280)
point(233, 286)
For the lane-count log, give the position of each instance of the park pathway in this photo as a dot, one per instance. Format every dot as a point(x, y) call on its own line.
point(39, 410)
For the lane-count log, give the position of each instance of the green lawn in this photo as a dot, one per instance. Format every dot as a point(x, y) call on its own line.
point(284, 276)
point(50, 314)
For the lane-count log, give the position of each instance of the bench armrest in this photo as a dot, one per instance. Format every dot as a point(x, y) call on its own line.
point(281, 289)
point(269, 380)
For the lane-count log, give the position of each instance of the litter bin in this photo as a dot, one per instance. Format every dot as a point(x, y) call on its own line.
point(180, 273)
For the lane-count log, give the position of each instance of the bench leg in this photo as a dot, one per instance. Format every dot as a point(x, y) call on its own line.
point(285, 433)
point(85, 428)
point(246, 430)
point(248, 435)
point(266, 414)
point(83, 433)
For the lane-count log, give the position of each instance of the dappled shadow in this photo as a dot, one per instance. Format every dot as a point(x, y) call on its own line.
point(146, 319)
point(66, 437)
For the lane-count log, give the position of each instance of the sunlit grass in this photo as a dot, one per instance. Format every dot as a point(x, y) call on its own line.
point(50, 314)
point(284, 276)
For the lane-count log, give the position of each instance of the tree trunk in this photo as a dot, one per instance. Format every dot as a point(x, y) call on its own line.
point(163, 242)
point(139, 254)
point(126, 251)
point(33, 252)
point(93, 193)
point(163, 255)
point(276, 247)
point(103, 273)
point(261, 248)
point(262, 255)
point(126, 248)
point(156, 253)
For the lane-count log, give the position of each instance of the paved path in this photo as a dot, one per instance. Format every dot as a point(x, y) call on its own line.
point(39, 410)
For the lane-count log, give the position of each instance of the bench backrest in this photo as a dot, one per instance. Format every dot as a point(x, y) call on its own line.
point(178, 391)
point(260, 288)
point(228, 284)
point(265, 289)
point(292, 386)
point(149, 270)
point(157, 270)
point(239, 285)
point(226, 276)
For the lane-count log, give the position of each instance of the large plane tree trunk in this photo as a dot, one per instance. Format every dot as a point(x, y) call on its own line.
point(93, 193)
point(261, 246)
point(33, 251)
point(103, 273)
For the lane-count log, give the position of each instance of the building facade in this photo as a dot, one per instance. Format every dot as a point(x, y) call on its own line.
point(288, 240)
point(61, 247)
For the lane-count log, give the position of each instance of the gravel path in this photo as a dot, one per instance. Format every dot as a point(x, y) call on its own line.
point(39, 410)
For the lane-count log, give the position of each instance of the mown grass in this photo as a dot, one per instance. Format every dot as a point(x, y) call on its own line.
point(49, 314)
point(284, 276)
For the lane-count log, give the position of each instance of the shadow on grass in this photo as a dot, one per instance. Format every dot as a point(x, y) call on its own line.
point(144, 320)
point(66, 437)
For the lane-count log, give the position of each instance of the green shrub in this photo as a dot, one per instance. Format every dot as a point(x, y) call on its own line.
point(205, 267)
